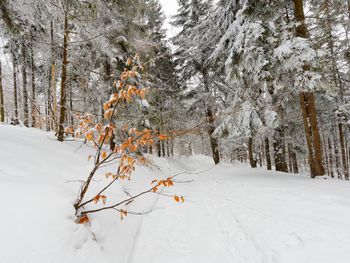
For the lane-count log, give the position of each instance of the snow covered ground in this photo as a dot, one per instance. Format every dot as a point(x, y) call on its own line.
point(232, 213)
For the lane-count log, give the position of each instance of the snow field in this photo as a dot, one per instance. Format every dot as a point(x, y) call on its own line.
point(232, 213)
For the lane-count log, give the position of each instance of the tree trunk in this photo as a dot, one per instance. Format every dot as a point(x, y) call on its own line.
point(295, 163)
point(293, 160)
point(167, 148)
point(211, 122)
point(33, 106)
point(51, 99)
point(267, 153)
point(336, 152)
point(14, 64)
point(308, 108)
point(290, 158)
point(279, 151)
point(71, 113)
point(172, 148)
point(159, 152)
point(24, 86)
point(330, 156)
point(252, 161)
point(2, 109)
point(163, 148)
point(313, 139)
point(343, 149)
point(63, 80)
point(260, 156)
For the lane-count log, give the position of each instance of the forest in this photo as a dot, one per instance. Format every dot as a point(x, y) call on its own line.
point(242, 80)
point(254, 88)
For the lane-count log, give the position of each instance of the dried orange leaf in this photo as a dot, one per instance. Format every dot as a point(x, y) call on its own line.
point(104, 155)
point(176, 198)
point(83, 219)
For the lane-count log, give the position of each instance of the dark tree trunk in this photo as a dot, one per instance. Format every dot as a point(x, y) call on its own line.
point(163, 148)
point(71, 113)
point(252, 161)
point(324, 142)
point(295, 162)
point(24, 87)
point(260, 156)
point(159, 152)
point(336, 151)
point(308, 108)
point(63, 80)
point(2, 109)
point(280, 151)
point(343, 153)
point(290, 166)
point(172, 148)
point(51, 94)
point(14, 63)
point(33, 106)
point(167, 148)
point(267, 153)
point(330, 156)
point(211, 122)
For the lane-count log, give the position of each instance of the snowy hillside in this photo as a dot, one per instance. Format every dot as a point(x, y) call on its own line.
point(232, 213)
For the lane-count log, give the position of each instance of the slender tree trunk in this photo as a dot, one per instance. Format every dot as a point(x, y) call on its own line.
point(159, 152)
point(24, 86)
point(172, 148)
point(71, 113)
point(163, 148)
point(267, 153)
point(330, 156)
point(279, 151)
point(167, 148)
point(336, 152)
point(63, 80)
point(325, 150)
point(2, 106)
point(346, 150)
point(14, 64)
point(52, 103)
point(295, 162)
point(290, 158)
point(48, 104)
point(211, 123)
point(343, 149)
point(158, 145)
point(308, 108)
point(252, 161)
point(260, 155)
point(33, 100)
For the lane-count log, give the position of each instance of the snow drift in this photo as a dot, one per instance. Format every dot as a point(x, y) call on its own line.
point(232, 213)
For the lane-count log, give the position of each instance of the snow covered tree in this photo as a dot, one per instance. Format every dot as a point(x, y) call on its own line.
point(192, 59)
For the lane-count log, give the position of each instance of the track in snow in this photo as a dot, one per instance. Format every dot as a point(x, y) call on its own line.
point(236, 214)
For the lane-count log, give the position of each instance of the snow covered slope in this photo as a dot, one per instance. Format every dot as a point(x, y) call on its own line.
point(232, 213)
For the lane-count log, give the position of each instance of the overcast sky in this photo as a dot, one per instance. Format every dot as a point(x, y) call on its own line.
point(170, 8)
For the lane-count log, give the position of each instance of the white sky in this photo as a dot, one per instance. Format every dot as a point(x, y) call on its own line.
point(170, 8)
